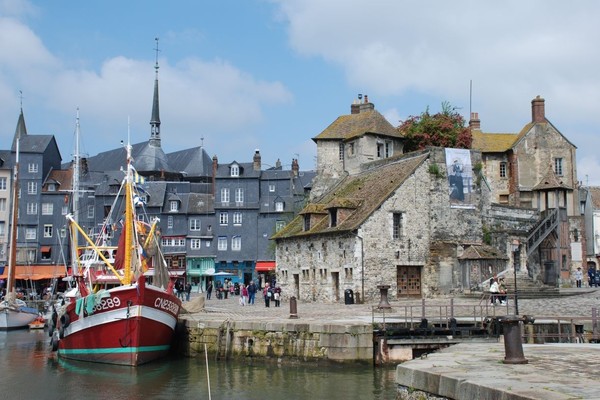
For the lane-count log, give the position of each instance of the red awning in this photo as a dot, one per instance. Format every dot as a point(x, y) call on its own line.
point(37, 272)
point(45, 249)
point(265, 266)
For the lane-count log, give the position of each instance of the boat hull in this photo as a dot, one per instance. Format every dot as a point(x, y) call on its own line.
point(13, 319)
point(132, 325)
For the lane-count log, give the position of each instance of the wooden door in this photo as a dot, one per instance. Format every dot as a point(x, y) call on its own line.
point(409, 281)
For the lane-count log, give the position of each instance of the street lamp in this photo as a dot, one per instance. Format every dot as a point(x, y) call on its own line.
point(515, 249)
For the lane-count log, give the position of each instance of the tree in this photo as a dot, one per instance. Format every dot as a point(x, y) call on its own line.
point(444, 129)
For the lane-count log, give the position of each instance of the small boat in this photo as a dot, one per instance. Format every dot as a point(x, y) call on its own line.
point(123, 320)
point(14, 312)
point(38, 323)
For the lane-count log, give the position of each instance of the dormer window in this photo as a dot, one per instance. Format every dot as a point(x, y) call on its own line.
point(174, 206)
point(279, 206)
point(333, 217)
point(235, 170)
point(52, 187)
point(307, 222)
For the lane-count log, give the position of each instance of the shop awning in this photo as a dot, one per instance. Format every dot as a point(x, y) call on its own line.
point(265, 266)
point(45, 249)
point(37, 272)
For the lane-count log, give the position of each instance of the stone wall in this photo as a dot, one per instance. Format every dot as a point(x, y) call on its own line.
point(281, 340)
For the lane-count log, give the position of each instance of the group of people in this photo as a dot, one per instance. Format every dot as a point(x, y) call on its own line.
point(182, 291)
point(272, 293)
point(247, 293)
point(498, 291)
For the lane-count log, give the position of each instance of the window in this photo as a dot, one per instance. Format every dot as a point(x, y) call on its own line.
point(223, 218)
point(502, 170)
point(30, 234)
point(351, 149)
point(32, 168)
point(236, 243)
point(279, 225)
point(333, 217)
point(170, 222)
point(2, 228)
point(225, 195)
point(47, 208)
point(222, 243)
point(173, 205)
point(52, 187)
point(2, 204)
point(65, 210)
point(307, 222)
point(341, 152)
point(389, 149)
point(239, 195)
point(63, 232)
point(235, 170)
point(195, 244)
point(237, 218)
point(271, 187)
point(47, 231)
point(90, 212)
point(46, 252)
point(2, 183)
point(194, 224)
point(31, 187)
point(279, 206)
point(32, 209)
point(397, 228)
point(558, 166)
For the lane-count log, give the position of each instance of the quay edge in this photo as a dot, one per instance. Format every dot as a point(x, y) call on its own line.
point(284, 340)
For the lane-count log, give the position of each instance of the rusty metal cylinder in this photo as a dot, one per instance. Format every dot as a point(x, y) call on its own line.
point(513, 345)
point(293, 307)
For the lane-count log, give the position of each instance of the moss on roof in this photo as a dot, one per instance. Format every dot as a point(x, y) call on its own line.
point(492, 142)
point(365, 191)
point(348, 127)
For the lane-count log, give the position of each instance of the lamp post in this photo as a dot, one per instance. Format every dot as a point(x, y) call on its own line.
point(515, 250)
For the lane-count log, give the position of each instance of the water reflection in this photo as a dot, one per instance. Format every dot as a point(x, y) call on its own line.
point(29, 370)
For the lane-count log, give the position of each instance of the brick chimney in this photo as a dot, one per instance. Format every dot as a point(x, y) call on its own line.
point(215, 165)
point(361, 105)
point(474, 122)
point(538, 112)
point(295, 167)
point(256, 160)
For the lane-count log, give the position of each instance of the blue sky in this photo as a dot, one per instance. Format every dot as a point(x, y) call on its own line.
point(272, 74)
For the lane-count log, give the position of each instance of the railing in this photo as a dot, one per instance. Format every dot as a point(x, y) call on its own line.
point(485, 315)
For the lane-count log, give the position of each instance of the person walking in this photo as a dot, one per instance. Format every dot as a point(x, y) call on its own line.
point(188, 291)
point(267, 294)
point(578, 277)
point(243, 294)
point(209, 288)
point(277, 296)
point(494, 289)
point(251, 293)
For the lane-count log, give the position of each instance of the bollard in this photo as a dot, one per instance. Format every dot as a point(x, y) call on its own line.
point(293, 308)
point(383, 290)
point(513, 346)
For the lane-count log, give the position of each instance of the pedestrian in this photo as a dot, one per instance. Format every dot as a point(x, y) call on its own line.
point(277, 296)
point(209, 289)
point(578, 277)
point(243, 295)
point(494, 288)
point(251, 293)
point(591, 273)
point(188, 291)
point(502, 290)
point(225, 290)
point(267, 294)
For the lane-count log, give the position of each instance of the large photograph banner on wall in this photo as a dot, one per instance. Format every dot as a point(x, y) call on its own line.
point(460, 177)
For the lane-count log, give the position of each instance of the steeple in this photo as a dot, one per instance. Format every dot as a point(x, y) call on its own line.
point(155, 119)
point(21, 130)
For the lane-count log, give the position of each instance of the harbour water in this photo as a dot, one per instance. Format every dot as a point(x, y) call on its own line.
point(29, 370)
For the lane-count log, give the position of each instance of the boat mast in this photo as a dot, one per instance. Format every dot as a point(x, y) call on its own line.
point(12, 256)
point(128, 226)
point(75, 189)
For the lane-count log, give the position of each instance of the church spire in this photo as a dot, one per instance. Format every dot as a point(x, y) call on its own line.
point(155, 119)
point(21, 130)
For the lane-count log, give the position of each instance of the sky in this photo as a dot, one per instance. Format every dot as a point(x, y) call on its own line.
point(241, 75)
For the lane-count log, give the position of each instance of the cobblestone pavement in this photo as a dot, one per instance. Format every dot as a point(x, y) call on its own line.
point(571, 303)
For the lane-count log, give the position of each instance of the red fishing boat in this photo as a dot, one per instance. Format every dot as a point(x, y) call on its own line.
point(129, 322)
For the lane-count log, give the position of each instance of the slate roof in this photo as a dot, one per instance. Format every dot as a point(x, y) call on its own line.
point(151, 158)
point(194, 162)
point(551, 181)
point(365, 191)
point(348, 127)
point(478, 251)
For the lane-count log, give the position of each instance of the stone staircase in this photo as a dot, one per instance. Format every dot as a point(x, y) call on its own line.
point(527, 288)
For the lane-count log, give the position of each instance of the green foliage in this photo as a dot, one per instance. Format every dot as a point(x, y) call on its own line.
point(487, 235)
point(434, 170)
point(444, 129)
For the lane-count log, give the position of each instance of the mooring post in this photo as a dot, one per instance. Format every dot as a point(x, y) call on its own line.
point(293, 308)
point(513, 345)
point(383, 290)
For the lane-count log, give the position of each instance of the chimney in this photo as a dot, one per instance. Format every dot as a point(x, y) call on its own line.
point(538, 112)
point(474, 122)
point(295, 167)
point(215, 164)
point(355, 107)
point(366, 106)
point(256, 160)
point(278, 163)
